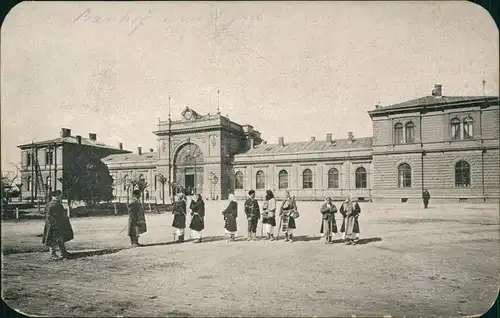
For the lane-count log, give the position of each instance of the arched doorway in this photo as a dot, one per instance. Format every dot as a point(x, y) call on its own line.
point(188, 168)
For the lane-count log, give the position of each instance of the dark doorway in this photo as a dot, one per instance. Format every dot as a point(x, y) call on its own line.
point(189, 182)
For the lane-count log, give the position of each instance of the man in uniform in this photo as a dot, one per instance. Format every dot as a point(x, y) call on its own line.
point(253, 215)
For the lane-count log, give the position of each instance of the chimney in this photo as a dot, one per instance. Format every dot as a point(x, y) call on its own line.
point(377, 106)
point(438, 90)
point(93, 136)
point(65, 132)
point(251, 142)
point(281, 141)
point(120, 145)
point(313, 138)
point(79, 139)
point(151, 150)
point(139, 150)
point(350, 136)
point(329, 138)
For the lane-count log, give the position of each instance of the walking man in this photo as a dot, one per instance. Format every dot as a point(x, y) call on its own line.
point(57, 230)
point(253, 215)
point(426, 196)
point(136, 219)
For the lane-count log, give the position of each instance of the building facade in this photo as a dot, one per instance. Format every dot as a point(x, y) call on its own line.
point(55, 158)
point(448, 145)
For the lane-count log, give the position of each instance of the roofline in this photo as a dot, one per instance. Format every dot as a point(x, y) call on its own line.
point(490, 100)
point(59, 143)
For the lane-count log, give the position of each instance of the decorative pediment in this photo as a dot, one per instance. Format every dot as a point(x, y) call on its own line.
point(189, 114)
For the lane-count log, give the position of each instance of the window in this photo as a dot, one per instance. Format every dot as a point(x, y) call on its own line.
point(125, 182)
point(455, 129)
point(156, 182)
point(48, 183)
point(398, 133)
point(307, 179)
point(28, 183)
point(361, 178)
point(260, 181)
point(468, 128)
point(333, 178)
point(462, 174)
point(28, 159)
point(49, 157)
point(283, 179)
point(404, 176)
point(409, 132)
point(238, 180)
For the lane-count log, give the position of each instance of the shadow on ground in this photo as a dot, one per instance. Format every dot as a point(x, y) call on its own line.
point(81, 254)
point(306, 238)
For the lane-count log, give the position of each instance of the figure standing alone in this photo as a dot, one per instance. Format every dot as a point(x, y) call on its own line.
point(136, 219)
point(252, 211)
point(57, 230)
point(426, 196)
point(230, 214)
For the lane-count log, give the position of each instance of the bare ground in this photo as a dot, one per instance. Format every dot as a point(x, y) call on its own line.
point(414, 262)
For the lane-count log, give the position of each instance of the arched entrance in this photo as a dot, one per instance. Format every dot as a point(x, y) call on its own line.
point(188, 168)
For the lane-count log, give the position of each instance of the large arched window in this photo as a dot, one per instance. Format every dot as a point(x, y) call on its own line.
point(398, 133)
point(468, 133)
point(361, 178)
point(404, 176)
point(333, 178)
point(238, 183)
point(409, 132)
point(462, 174)
point(283, 179)
point(307, 179)
point(455, 129)
point(260, 182)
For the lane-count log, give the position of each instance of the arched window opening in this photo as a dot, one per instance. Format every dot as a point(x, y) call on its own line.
point(404, 176)
point(307, 179)
point(462, 174)
point(409, 132)
point(333, 178)
point(455, 129)
point(398, 133)
point(260, 182)
point(238, 184)
point(468, 133)
point(283, 179)
point(361, 178)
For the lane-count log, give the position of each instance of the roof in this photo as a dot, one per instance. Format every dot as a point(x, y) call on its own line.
point(310, 146)
point(434, 100)
point(131, 157)
point(73, 140)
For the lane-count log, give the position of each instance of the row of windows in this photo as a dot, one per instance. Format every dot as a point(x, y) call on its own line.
point(462, 175)
point(307, 179)
point(460, 130)
point(49, 158)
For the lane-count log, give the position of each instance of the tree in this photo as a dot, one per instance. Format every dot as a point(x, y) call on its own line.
point(9, 179)
point(87, 179)
point(162, 180)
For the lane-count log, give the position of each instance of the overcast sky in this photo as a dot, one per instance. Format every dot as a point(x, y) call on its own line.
point(292, 69)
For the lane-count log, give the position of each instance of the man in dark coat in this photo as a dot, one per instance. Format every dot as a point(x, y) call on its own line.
point(57, 230)
point(328, 223)
point(252, 211)
point(230, 214)
point(136, 219)
point(179, 222)
point(426, 196)
point(197, 217)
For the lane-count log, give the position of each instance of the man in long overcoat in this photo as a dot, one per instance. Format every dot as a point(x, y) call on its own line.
point(426, 196)
point(179, 222)
point(57, 230)
point(136, 219)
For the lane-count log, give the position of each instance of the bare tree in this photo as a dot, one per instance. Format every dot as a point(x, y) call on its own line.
point(9, 179)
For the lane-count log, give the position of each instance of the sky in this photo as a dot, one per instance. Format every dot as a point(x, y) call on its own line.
point(291, 69)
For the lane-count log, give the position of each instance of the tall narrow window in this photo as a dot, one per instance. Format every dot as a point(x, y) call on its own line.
point(283, 179)
point(28, 183)
point(260, 182)
point(333, 178)
point(125, 182)
point(361, 178)
point(49, 156)
point(462, 174)
point(404, 176)
point(28, 159)
point(49, 183)
point(468, 133)
point(398, 133)
point(156, 182)
point(455, 129)
point(238, 184)
point(409, 132)
point(307, 179)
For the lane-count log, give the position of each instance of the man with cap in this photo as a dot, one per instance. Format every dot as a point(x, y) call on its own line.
point(57, 230)
point(252, 211)
point(136, 219)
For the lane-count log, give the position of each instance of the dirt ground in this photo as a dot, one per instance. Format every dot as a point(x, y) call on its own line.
point(442, 261)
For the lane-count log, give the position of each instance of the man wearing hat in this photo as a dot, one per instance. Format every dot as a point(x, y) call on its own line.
point(136, 219)
point(57, 230)
point(252, 211)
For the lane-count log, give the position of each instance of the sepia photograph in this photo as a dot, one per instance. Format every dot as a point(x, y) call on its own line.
point(250, 159)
